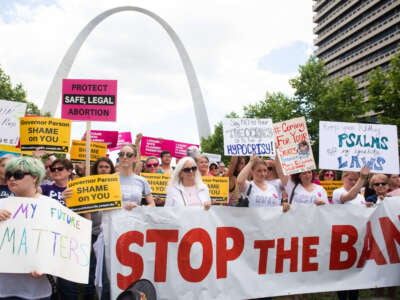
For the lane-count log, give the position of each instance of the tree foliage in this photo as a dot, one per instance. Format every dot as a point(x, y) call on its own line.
point(384, 92)
point(276, 106)
point(17, 93)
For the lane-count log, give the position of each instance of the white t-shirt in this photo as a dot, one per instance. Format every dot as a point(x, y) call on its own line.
point(302, 196)
point(359, 199)
point(133, 188)
point(277, 184)
point(260, 198)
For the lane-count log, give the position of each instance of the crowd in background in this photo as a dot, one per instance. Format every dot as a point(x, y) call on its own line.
point(253, 182)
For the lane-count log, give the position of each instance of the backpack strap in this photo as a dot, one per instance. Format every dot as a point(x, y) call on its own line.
point(291, 196)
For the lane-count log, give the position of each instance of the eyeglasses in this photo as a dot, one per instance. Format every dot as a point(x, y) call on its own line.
point(127, 154)
point(59, 169)
point(380, 183)
point(329, 175)
point(270, 168)
point(18, 174)
point(191, 169)
point(152, 165)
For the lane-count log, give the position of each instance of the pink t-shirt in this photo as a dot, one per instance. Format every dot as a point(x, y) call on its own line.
point(191, 196)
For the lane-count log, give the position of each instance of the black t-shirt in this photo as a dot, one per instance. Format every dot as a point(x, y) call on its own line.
point(5, 192)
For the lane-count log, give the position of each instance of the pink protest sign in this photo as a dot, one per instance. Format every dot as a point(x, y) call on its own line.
point(102, 136)
point(153, 147)
point(180, 149)
point(89, 100)
point(123, 138)
point(150, 146)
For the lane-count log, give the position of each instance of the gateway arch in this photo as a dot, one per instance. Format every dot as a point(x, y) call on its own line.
point(54, 92)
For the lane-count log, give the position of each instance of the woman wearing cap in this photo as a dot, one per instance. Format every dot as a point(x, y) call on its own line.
point(23, 176)
point(260, 192)
point(133, 187)
point(185, 187)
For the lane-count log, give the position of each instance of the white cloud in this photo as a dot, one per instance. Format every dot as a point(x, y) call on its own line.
point(225, 40)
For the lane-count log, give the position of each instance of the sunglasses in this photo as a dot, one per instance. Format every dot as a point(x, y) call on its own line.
point(270, 168)
point(127, 154)
point(18, 174)
point(191, 169)
point(59, 169)
point(380, 184)
point(329, 175)
point(152, 165)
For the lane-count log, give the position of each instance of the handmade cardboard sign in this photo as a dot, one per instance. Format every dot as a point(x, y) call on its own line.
point(349, 146)
point(10, 112)
point(248, 136)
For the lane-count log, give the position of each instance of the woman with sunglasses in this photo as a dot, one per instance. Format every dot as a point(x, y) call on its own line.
point(23, 176)
point(327, 175)
point(352, 184)
point(260, 192)
point(185, 188)
point(61, 170)
point(133, 186)
point(380, 184)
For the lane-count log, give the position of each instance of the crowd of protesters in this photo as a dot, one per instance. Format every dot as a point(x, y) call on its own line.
point(260, 181)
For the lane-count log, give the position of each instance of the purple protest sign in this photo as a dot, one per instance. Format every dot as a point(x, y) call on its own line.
point(89, 100)
point(108, 137)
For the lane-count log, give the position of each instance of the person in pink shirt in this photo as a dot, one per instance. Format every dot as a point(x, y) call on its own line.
point(186, 188)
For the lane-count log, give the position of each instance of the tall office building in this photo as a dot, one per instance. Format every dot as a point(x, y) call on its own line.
point(355, 36)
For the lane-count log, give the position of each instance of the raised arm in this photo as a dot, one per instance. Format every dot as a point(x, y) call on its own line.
point(352, 193)
point(244, 174)
point(284, 178)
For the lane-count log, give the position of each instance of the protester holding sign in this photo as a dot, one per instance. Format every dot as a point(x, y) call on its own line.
point(236, 165)
point(151, 164)
point(185, 187)
point(301, 189)
point(23, 176)
point(352, 184)
point(259, 192)
point(272, 178)
point(133, 186)
point(61, 170)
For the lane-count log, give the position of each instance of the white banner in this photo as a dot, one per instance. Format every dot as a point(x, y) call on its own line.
point(10, 112)
point(293, 146)
point(248, 136)
point(45, 236)
point(237, 253)
point(349, 146)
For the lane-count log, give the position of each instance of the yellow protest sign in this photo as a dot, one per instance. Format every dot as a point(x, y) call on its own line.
point(51, 134)
point(93, 193)
point(158, 183)
point(330, 185)
point(9, 149)
point(78, 150)
point(218, 188)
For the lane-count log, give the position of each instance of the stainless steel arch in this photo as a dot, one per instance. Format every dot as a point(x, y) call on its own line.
point(54, 92)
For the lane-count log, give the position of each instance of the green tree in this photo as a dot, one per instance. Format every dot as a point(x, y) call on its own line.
point(17, 93)
point(276, 106)
point(384, 92)
point(322, 100)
